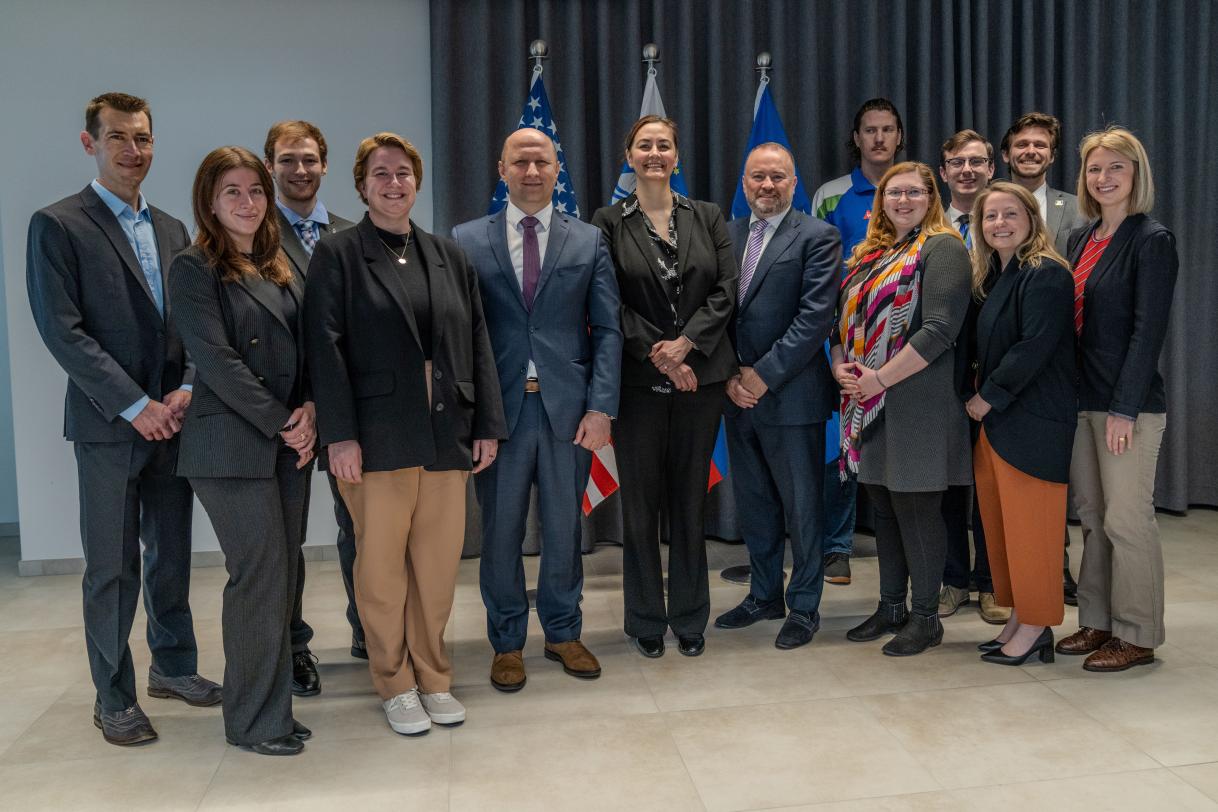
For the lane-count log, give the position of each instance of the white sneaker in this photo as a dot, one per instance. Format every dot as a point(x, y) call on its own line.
point(406, 715)
point(443, 708)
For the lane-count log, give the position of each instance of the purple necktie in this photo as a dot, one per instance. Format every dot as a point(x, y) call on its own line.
point(532, 260)
point(752, 253)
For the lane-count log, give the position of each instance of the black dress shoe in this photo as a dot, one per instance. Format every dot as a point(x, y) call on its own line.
point(748, 612)
point(300, 731)
point(990, 645)
point(691, 645)
point(126, 728)
point(305, 680)
point(1069, 588)
point(918, 634)
point(798, 630)
point(359, 649)
point(1043, 647)
point(650, 646)
point(288, 745)
point(888, 618)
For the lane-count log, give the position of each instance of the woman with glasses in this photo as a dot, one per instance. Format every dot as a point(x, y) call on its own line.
point(904, 429)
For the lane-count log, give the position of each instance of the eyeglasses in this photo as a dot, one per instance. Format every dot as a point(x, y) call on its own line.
point(912, 194)
point(973, 163)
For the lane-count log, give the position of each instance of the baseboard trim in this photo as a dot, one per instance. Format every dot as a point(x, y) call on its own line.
point(203, 558)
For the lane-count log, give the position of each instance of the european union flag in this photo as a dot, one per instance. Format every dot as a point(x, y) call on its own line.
point(537, 115)
point(767, 128)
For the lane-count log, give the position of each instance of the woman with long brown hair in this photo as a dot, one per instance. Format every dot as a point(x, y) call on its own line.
point(904, 430)
point(247, 442)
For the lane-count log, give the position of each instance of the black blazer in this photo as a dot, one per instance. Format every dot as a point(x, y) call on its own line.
point(250, 368)
point(709, 272)
point(366, 361)
point(294, 248)
point(1025, 367)
point(1126, 303)
point(96, 315)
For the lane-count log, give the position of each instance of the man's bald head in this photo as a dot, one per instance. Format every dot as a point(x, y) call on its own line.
point(528, 137)
point(529, 167)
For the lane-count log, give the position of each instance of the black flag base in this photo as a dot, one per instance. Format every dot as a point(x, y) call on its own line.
point(736, 575)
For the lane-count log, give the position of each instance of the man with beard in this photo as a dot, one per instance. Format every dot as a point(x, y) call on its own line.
point(295, 155)
point(845, 203)
point(782, 396)
point(1028, 149)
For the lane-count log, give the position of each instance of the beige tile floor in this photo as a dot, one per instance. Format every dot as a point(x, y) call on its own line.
point(834, 725)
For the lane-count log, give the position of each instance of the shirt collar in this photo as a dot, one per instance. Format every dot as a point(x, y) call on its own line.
point(860, 183)
point(775, 220)
point(515, 215)
point(953, 215)
point(120, 207)
point(318, 215)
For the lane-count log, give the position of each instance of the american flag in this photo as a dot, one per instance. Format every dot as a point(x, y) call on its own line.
point(537, 115)
point(603, 478)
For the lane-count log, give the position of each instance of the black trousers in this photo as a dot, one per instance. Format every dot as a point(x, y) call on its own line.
point(302, 632)
point(664, 444)
point(959, 503)
point(128, 492)
point(260, 526)
point(911, 540)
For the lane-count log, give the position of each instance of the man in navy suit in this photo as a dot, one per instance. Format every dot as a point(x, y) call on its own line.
point(783, 395)
point(550, 297)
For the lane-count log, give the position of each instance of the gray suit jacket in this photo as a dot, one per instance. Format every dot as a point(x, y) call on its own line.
point(572, 333)
point(96, 314)
point(295, 250)
point(1061, 217)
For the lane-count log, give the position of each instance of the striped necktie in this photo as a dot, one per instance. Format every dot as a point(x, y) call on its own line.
point(962, 224)
point(752, 254)
point(308, 236)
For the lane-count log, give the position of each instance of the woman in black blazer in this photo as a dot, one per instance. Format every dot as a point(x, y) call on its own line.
point(677, 273)
point(408, 402)
point(1025, 394)
point(1124, 265)
point(247, 442)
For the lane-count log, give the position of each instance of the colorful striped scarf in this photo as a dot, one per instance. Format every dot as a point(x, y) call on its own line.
point(876, 305)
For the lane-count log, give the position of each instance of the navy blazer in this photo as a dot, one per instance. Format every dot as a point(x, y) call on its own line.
point(1126, 304)
point(571, 333)
point(785, 316)
point(1025, 367)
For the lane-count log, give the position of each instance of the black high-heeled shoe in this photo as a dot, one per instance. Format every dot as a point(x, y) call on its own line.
point(1043, 647)
point(990, 645)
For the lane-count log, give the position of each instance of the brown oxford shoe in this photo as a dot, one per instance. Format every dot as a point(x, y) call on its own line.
point(1117, 655)
point(1083, 641)
point(575, 658)
point(507, 671)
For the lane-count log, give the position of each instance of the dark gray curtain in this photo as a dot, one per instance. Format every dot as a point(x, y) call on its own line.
point(1149, 65)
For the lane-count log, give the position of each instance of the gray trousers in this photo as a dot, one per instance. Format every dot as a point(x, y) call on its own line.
point(260, 526)
point(1120, 581)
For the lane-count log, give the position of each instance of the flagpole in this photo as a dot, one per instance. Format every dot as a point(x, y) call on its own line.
point(651, 58)
point(538, 51)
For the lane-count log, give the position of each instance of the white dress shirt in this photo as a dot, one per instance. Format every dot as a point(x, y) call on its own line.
point(775, 220)
point(515, 240)
point(1042, 200)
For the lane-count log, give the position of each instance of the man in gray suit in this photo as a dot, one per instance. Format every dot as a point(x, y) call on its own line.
point(96, 266)
point(295, 155)
point(550, 295)
point(1029, 148)
point(782, 396)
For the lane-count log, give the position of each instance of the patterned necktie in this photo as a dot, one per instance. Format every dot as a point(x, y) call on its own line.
point(752, 254)
point(962, 224)
point(305, 229)
point(532, 260)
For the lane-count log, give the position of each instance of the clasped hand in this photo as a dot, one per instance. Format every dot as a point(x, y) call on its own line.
point(858, 381)
point(300, 432)
point(669, 358)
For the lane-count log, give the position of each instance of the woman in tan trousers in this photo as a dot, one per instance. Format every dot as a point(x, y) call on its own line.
point(1024, 402)
point(408, 402)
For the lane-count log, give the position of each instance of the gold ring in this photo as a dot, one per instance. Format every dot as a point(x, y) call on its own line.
point(1120, 439)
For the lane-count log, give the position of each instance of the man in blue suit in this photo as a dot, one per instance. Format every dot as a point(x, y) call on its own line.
point(550, 296)
point(783, 395)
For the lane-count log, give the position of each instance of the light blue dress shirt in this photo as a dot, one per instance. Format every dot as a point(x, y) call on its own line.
point(137, 227)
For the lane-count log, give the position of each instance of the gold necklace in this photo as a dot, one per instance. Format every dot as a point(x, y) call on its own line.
point(401, 258)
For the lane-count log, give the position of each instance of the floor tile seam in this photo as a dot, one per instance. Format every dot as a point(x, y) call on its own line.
point(28, 727)
point(1089, 774)
point(667, 723)
point(926, 769)
point(1029, 681)
point(212, 779)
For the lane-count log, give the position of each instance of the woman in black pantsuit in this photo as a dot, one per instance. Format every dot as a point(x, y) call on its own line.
point(247, 442)
point(677, 272)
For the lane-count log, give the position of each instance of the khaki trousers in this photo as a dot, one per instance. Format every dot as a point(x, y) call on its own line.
point(1120, 582)
point(409, 530)
point(1024, 519)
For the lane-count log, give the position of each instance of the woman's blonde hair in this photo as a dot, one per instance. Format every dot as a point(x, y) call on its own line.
point(881, 233)
point(1122, 142)
point(1035, 249)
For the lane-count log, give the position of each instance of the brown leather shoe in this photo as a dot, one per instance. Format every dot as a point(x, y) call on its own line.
point(575, 658)
point(1083, 641)
point(1117, 655)
point(507, 671)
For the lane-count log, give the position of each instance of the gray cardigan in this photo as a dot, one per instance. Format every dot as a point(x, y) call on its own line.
point(920, 442)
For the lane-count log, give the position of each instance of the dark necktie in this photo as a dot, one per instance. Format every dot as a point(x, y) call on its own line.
point(532, 260)
point(962, 224)
point(305, 229)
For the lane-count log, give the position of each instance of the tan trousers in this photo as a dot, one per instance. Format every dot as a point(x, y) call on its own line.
point(1120, 582)
point(1024, 519)
point(409, 530)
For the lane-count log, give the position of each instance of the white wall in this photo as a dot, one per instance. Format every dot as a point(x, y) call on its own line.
point(215, 73)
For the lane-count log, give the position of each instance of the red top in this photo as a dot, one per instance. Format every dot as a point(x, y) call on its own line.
point(1086, 263)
